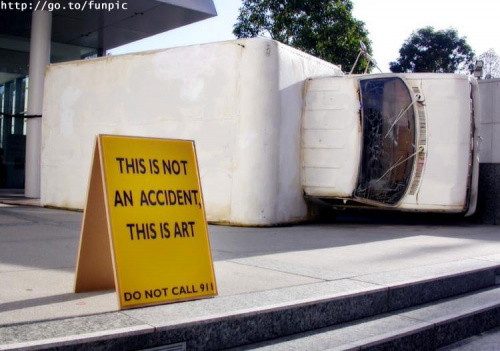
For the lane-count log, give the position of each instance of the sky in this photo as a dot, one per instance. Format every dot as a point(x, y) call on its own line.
point(389, 23)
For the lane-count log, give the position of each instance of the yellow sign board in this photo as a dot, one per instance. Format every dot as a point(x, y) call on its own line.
point(144, 230)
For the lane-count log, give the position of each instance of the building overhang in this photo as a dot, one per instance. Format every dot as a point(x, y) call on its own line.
point(98, 27)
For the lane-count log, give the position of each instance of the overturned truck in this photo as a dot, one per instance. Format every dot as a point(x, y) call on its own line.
point(275, 130)
point(394, 141)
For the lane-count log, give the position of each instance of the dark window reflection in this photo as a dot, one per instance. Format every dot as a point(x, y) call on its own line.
point(388, 140)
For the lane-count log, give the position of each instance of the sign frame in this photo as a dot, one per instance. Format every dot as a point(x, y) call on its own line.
point(106, 245)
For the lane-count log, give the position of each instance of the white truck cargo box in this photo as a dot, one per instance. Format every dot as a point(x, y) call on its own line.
point(240, 101)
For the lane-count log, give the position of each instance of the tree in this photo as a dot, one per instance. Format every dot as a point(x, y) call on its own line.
point(427, 50)
point(491, 64)
point(323, 28)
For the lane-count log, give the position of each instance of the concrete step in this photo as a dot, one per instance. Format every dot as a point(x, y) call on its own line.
point(487, 341)
point(238, 320)
point(426, 327)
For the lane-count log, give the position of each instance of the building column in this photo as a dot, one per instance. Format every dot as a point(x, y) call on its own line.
point(7, 121)
point(41, 28)
point(19, 105)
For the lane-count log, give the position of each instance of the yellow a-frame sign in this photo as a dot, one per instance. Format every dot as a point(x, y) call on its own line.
point(144, 230)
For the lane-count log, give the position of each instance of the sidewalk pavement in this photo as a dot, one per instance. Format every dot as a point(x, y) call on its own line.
point(38, 250)
point(16, 197)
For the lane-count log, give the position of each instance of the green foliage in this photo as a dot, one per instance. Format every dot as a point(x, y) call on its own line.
point(323, 28)
point(427, 50)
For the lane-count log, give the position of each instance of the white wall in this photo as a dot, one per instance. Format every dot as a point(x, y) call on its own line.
point(241, 101)
point(490, 120)
point(489, 176)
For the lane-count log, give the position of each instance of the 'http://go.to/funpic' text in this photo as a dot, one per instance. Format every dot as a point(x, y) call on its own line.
point(49, 5)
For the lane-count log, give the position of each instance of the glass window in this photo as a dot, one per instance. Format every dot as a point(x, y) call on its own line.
point(388, 122)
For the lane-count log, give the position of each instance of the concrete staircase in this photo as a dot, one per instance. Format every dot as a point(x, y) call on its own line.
point(424, 327)
point(421, 308)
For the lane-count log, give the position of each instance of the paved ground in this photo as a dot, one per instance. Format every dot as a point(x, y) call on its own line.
point(38, 249)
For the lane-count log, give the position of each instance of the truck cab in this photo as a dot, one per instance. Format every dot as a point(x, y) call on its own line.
point(395, 141)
